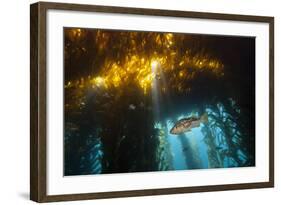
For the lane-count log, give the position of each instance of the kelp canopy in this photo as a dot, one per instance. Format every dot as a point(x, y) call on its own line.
point(132, 57)
point(125, 89)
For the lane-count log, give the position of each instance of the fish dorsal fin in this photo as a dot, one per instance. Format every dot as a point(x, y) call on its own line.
point(193, 114)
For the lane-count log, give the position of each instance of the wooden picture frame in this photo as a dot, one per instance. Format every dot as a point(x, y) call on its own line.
point(39, 112)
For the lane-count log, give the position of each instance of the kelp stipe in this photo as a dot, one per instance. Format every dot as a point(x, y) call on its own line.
point(164, 156)
point(225, 136)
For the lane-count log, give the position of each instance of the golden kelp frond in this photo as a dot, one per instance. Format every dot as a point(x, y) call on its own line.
point(140, 71)
point(75, 34)
point(143, 58)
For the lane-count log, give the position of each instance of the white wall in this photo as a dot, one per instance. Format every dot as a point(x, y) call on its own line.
point(14, 100)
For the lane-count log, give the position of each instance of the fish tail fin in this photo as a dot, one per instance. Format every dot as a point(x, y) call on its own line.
point(204, 118)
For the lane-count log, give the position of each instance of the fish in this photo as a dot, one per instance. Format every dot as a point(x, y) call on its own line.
point(141, 104)
point(186, 124)
point(132, 107)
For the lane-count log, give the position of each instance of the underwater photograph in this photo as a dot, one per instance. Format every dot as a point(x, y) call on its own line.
point(146, 101)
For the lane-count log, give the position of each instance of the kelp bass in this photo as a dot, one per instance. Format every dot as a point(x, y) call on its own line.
point(186, 124)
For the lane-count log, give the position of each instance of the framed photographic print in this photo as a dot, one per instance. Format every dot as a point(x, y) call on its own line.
point(133, 102)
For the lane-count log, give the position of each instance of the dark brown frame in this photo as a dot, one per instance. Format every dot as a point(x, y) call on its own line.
point(38, 97)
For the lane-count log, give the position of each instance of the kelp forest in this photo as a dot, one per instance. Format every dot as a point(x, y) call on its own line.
point(137, 101)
